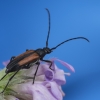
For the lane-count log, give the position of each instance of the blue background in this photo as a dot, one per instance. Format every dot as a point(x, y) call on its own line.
point(24, 25)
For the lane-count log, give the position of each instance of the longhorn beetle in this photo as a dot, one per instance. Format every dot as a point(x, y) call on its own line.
point(24, 60)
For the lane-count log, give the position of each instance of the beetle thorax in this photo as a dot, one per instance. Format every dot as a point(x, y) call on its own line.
point(43, 52)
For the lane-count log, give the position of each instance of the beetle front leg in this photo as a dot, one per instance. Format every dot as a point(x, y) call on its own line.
point(48, 62)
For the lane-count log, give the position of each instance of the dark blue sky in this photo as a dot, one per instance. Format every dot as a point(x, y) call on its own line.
point(24, 25)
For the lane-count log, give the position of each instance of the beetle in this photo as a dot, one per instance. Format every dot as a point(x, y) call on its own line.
point(24, 60)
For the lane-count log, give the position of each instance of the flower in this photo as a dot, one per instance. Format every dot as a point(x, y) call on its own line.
point(47, 85)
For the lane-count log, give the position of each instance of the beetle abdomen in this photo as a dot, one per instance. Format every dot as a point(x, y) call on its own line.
point(13, 69)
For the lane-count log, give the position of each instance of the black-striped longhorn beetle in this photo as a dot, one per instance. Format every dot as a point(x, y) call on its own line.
point(24, 60)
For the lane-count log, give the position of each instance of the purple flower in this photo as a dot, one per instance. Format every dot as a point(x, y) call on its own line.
point(5, 63)
point(47, 84)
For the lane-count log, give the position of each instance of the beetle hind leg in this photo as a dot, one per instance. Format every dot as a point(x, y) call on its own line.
point(3, 76)
point(10, 80)
point(27, 66)
point(12, 58)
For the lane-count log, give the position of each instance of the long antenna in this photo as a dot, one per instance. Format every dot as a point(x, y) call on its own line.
point(69, 40)
point(48, 28)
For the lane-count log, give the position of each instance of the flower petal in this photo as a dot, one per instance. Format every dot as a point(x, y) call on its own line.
point(65, 64)
point(10, 97)
point(54, 89)
point(59, 77)
point(2, 97)
point(63, 94)
point(37, 90)
point(49, 75)
point(56, 74)
point(5, 63)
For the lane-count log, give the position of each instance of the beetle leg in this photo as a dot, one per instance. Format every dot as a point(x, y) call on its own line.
point(36, 71)
point(31, 64)
point(48, 62)
point(27, 66)
point(10, 79)
point(3, 76)
point(12, 58)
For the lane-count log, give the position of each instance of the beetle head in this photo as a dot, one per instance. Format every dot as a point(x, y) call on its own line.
point(47, 50)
